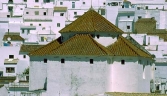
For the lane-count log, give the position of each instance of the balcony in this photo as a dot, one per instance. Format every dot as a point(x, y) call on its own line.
point(38, 18)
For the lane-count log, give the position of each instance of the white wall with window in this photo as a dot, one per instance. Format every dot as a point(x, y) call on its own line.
point(10, 70)
point(130, 75)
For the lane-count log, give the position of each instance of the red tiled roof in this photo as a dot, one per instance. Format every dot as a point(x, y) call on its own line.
point(29, 48)
point(123, 47)
point(45, 49)
point(82, 44)
point(91, 21)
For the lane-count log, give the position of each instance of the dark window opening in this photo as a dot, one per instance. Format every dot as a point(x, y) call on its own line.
point(61, 3)
point(122, 6)
point(27, 12)
point(24, 56)
point(139, 17)
point(62, 61)
point(146, 7)
point(10, 70)
point(128, 16)
point(1, 73)
point(138, 8)
point(155, 68)
point(83, 2)
point(156, 7)
point(22, 31)
point(25, 0)
point(61, 14)
point(75, 13)
point(47, 1)
point(73, 4)
point(128, 27)
point(31, 24)
point(58, 24)
point(8, 15)
point(44, 13)
point(122, 61)
point(91, 61)
point(36, 0)
point(11, 56)
point(103, 12)
point(45, 60)
point(39, 24)
point(104, 3)
point(157, 87)
point(98, 36)
point(42, 39)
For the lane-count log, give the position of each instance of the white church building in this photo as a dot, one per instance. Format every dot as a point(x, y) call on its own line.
point(90, 57)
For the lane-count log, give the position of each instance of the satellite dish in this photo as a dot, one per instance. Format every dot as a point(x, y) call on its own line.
point(9, 38)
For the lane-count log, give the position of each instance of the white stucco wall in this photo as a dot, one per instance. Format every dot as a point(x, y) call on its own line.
point(76, 76)
point(3, 91)
point(37, 75)
point(129, 77)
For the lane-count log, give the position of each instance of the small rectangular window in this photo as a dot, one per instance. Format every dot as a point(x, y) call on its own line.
point(42, 39)
point(146, 7)
point(25, 0)
point(58, 24)
point(24, 56)
point(39, 24)
point(91, 61)
point(75, 13)
point(61, 14)
point(156, 7)
point(36, 0)
point(98, 36)
point(122, 61)
point(8, 16)
point(45, 60)
point(61, 3)
point(62, 61)
point(83, 3)
point(128, 16)
point(22, 31)
point(36, 12)
point(139, 17)
point(10, 70)
point(73, 4)
point(44, 13)
point(31, 24)
point(11, 56)
point(128, 27)
point(138, 8)
point(27, 12)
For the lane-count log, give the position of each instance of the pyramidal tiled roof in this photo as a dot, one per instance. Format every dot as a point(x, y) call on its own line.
point(82, 44)
point(123, 47)
point(45, 49)
point(91, 21)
